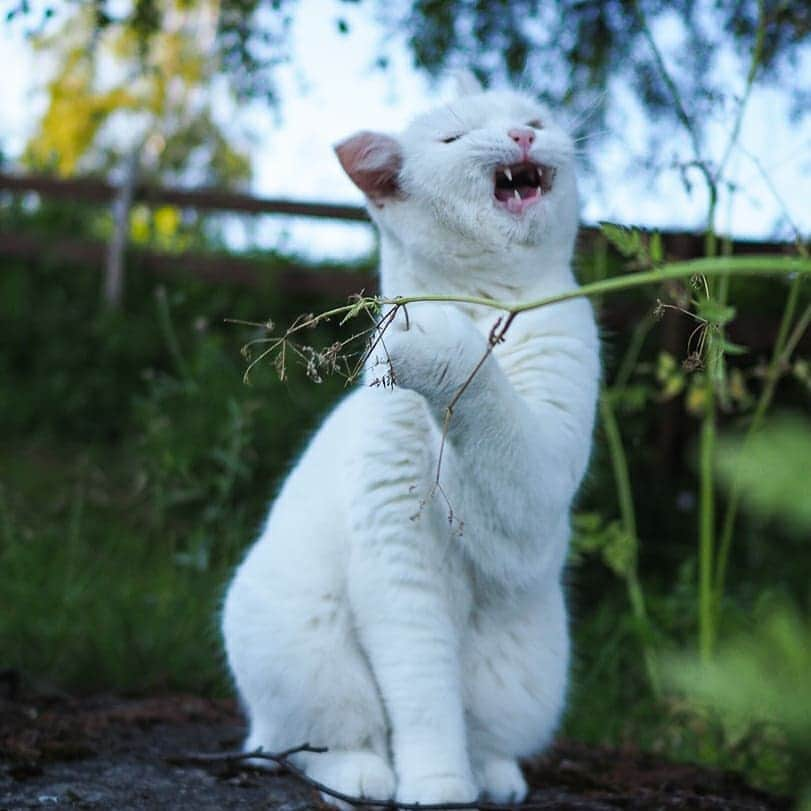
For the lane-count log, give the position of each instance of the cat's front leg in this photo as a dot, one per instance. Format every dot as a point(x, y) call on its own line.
point(514, 455)
point(414, 652)
point(406, 600)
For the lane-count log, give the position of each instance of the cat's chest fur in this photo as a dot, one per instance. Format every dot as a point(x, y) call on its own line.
point(409, 470)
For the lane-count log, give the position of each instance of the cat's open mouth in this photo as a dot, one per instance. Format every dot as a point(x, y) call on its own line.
point(520, 185)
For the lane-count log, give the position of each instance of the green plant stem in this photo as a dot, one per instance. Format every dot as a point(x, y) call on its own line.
point(743, 265)
point(631, 356)
point(622, 481)
point(619, 463)
point(706, 533)
point(169, 335)
point(715, 388)
point(783, 349)
point(753, 265)
point(706, 501)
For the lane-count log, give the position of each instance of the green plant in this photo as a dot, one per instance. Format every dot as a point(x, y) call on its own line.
point(136, 468)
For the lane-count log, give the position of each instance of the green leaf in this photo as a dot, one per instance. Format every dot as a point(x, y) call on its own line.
point(619, 553)
point(613, 544)
point(715, 312)
point(672, 387)
point(587, 522)
point(633, 398)
point(670, 375)
point(760, 676)
point(655, 248)
point(733, 349)
point(626, 240)
point(665, 366)
point(357, 308)
point(771, 470)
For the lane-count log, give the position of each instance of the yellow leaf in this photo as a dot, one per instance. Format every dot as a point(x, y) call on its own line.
point(696, 398)
point(139, 224)
point(167, 222)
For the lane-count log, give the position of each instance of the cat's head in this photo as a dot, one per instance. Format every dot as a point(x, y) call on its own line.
point(491, 168)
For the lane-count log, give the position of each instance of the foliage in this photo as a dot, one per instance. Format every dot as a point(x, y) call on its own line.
point(759, 678)
point(571, 47)
point(765, 469)
point(771, 470)
point(75, 115)
point(116, 90)
point(142, 466)
point(572, 53)
point(88, 598)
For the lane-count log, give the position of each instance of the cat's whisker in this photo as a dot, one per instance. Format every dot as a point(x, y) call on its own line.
point(590, 135)
point(593, 107)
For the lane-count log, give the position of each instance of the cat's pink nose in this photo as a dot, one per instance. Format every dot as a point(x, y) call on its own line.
point(523, 136)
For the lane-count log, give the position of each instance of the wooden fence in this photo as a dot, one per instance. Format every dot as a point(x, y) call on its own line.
point(229, 268)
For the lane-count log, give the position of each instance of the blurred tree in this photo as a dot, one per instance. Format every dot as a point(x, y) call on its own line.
point(141, 83)
point(569, 51)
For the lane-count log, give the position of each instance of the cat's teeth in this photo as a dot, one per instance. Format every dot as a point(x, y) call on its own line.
point(509, 174)
point(538, 189)
point(516, 194)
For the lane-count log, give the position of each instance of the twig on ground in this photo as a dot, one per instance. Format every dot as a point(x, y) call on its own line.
point(282, 759)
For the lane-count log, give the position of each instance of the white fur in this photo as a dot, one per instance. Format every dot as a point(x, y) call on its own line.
point(429, 661)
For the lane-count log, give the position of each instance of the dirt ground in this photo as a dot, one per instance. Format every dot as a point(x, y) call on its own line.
point(112, 752)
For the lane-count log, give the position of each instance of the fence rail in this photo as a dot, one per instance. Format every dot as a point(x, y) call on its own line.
point(224, 268)
point(96, 190)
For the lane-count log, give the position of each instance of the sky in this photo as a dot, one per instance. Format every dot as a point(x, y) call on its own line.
point(331, 89)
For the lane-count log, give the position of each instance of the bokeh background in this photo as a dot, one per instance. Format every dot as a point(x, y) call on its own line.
point(166, 171)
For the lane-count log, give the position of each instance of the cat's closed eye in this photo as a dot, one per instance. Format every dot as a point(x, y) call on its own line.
point(536, 124)
point(451, 138)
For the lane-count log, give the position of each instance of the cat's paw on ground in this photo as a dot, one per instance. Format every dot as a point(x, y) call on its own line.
point(358, 774)
point(437, 789)
point(502, 781)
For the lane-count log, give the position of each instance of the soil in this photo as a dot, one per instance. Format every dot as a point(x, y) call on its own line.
point(114, 752)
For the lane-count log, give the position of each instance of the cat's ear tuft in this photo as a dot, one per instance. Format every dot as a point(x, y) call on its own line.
point(466, 83)
point(372, 161)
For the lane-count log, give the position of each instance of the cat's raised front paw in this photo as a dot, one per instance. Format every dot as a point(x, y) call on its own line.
point(436, 789)
point(432, 349)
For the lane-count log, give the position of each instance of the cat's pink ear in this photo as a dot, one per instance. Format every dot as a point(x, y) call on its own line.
point(373, 162)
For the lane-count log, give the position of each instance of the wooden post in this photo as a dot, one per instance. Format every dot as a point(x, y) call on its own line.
point(114, 268)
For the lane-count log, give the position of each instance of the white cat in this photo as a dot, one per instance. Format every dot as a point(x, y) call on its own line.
point(426, 659)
